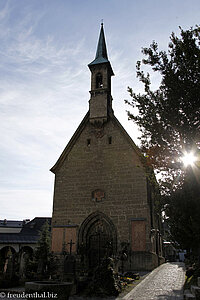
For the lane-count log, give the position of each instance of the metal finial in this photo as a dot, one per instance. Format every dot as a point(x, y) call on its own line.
point(101, 22)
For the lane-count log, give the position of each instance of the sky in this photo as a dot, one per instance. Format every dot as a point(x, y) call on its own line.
point(45, 47)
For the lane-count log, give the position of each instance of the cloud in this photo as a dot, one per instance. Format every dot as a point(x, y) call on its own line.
point(39, 98)
point(4, 30)
point(25, 204)
point(4, 12)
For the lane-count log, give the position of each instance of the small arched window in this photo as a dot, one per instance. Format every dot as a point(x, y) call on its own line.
point(99, 81)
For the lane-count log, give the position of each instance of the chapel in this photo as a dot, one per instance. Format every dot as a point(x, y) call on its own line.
point(104, 202)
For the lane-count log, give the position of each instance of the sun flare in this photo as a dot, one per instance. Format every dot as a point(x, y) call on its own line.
point(188, 159)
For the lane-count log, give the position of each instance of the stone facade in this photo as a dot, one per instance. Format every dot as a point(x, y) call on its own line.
point(102, 195)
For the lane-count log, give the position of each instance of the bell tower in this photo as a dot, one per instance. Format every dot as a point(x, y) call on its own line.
point(100, 103)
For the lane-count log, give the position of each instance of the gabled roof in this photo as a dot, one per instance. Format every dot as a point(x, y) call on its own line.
point(34, 226)
point(101, 58)
point(79, 131)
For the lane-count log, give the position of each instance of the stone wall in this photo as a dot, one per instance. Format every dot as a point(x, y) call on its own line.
point(102, 159)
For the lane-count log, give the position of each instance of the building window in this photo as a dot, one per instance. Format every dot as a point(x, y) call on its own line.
point(88, 142)
point(99, 81)
point(110, 140)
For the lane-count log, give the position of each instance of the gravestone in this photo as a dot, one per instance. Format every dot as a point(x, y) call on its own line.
point(69, 265)
point(69, 262)
point(69, 271)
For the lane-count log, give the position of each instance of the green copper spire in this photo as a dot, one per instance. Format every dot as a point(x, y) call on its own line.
point(101, 48)
point(101, 54)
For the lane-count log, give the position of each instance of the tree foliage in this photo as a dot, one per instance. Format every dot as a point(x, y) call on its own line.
point(43, 244)
point(169, 120)
point(43, 249)
point(169, 117)
point(183, 210)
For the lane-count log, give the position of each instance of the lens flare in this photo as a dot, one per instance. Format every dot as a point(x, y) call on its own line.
point(188, 159)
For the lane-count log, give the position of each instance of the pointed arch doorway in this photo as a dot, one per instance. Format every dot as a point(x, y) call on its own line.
point(98, 237)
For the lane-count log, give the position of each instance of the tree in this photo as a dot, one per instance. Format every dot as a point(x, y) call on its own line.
point(183, 210)
point(169, 120)
point(43, 253)
point(169, 117)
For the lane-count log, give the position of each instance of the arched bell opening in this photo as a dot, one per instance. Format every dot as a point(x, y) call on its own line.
point(99, 81)
point(97, 239)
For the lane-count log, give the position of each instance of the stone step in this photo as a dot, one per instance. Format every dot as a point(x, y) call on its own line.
point(188, 295)
point(195, 290)
point(198, 281)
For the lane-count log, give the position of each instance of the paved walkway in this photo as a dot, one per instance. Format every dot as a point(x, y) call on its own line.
point(164, 283)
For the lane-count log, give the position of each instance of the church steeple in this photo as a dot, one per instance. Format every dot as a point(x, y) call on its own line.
point(100, 67)
point(101, 54)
